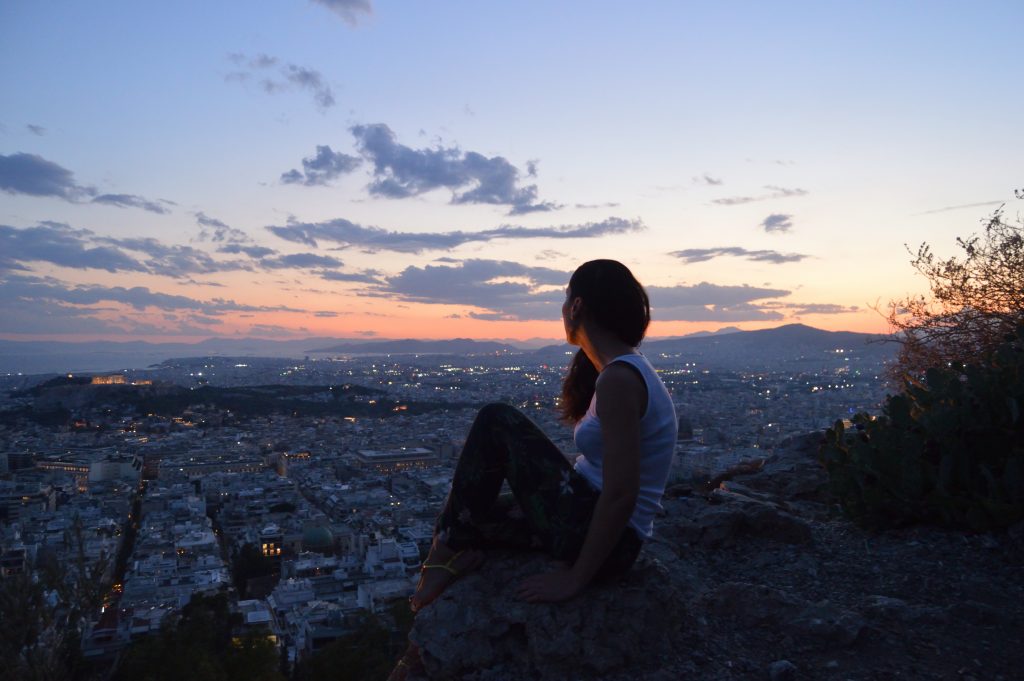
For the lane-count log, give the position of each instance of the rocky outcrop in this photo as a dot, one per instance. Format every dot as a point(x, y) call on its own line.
point(756, 578)
point(790, 476)
point(776, 499)
point(727, 515)
point(479, 630)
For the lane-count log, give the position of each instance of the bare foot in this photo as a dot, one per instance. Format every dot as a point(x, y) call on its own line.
point(442, 567)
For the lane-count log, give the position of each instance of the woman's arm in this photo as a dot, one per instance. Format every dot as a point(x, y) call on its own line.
point(621, 400)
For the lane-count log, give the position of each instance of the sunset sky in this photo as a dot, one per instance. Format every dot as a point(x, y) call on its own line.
point(387, 169)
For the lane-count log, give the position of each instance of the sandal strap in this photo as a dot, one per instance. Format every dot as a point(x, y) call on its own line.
point(443, 566)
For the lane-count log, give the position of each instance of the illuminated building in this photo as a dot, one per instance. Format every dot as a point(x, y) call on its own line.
point(71, 467)
point(112, 379)
point(198, 469)
point(18, 497)
point(271, 541)
point(395, 460)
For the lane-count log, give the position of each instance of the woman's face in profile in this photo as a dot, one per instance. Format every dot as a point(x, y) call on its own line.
point(567, 321)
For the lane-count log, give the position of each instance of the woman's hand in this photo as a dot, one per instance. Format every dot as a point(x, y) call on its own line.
point(550, 587)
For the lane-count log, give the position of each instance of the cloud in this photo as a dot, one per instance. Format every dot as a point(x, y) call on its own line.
point(736, 200)
point(777, 222)
point(350, 11)
point(367, 277)
point(311, 80)
point(705, 302)
point(46, 317)
point(707, 179)
point(608, 204)
point(819, 308)
point(300, 260)
point(181, 261)
point(59, 244)
point(10, 265)
point(131, 201)
point(256, 252)
point(30, 174)
point(980, 204)
point(694, 255)
point(288, 77)
point(319, 170)
point(173, 260)
point(350, 234)
point(62, 245)
point(776, 193)
point(742, 312)
point(783, 192)
point(36, 129)
point(708, 294)
point(203, 220)
point(275, 331)
point(49, 290)
point(504, 289)
point(219, 232)
point(197, 319)
point(401, 171)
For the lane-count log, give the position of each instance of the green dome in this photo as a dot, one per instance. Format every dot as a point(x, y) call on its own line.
point(317, 539)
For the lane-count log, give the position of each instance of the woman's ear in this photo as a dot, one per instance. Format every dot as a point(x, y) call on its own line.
point(575, 308)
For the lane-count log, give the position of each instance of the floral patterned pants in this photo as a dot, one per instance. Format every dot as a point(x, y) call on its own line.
point(551, 504)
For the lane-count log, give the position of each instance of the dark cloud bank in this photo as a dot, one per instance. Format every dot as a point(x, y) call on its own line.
point(62, 245)
point(694, 255)
point(401, 171)
point(350, 234)
point(512, 291)
point(33, 175)
point(321, 169)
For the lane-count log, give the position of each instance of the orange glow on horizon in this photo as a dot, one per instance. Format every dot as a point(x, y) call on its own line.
point(424, 323)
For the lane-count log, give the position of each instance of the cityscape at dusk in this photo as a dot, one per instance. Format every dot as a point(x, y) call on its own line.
point(358, 169)
point(287, 359)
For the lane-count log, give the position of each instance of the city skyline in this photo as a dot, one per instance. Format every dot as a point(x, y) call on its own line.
point(358, 169)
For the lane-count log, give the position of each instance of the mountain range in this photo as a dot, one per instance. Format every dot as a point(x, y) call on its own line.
point(727, 348)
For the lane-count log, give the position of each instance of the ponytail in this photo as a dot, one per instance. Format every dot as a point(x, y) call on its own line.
point(578, 388)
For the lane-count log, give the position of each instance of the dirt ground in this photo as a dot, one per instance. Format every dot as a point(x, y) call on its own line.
point(917, 603)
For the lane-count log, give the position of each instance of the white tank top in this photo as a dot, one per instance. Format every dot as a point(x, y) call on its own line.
point(658, 432)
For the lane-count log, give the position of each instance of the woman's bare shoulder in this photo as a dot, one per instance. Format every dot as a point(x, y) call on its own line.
point(620, 383)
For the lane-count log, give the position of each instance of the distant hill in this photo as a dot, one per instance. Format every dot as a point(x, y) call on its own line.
point(766, 347)
point(722, 331)
point(39, 357)
point(409, 346)
point(726, 348)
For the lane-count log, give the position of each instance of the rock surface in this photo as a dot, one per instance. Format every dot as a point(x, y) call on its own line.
point(756, 578)
point(477, 629)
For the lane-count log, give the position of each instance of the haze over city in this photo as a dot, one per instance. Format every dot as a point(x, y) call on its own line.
point(358, 169)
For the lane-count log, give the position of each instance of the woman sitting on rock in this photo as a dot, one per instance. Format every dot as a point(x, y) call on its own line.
point(592, 516)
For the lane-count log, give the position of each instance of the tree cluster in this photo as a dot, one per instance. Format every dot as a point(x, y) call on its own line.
point(948, 448)
point(976, 301)
point(200, 645)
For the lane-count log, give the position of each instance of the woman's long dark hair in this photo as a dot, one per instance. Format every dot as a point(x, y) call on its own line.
point(615, 300)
